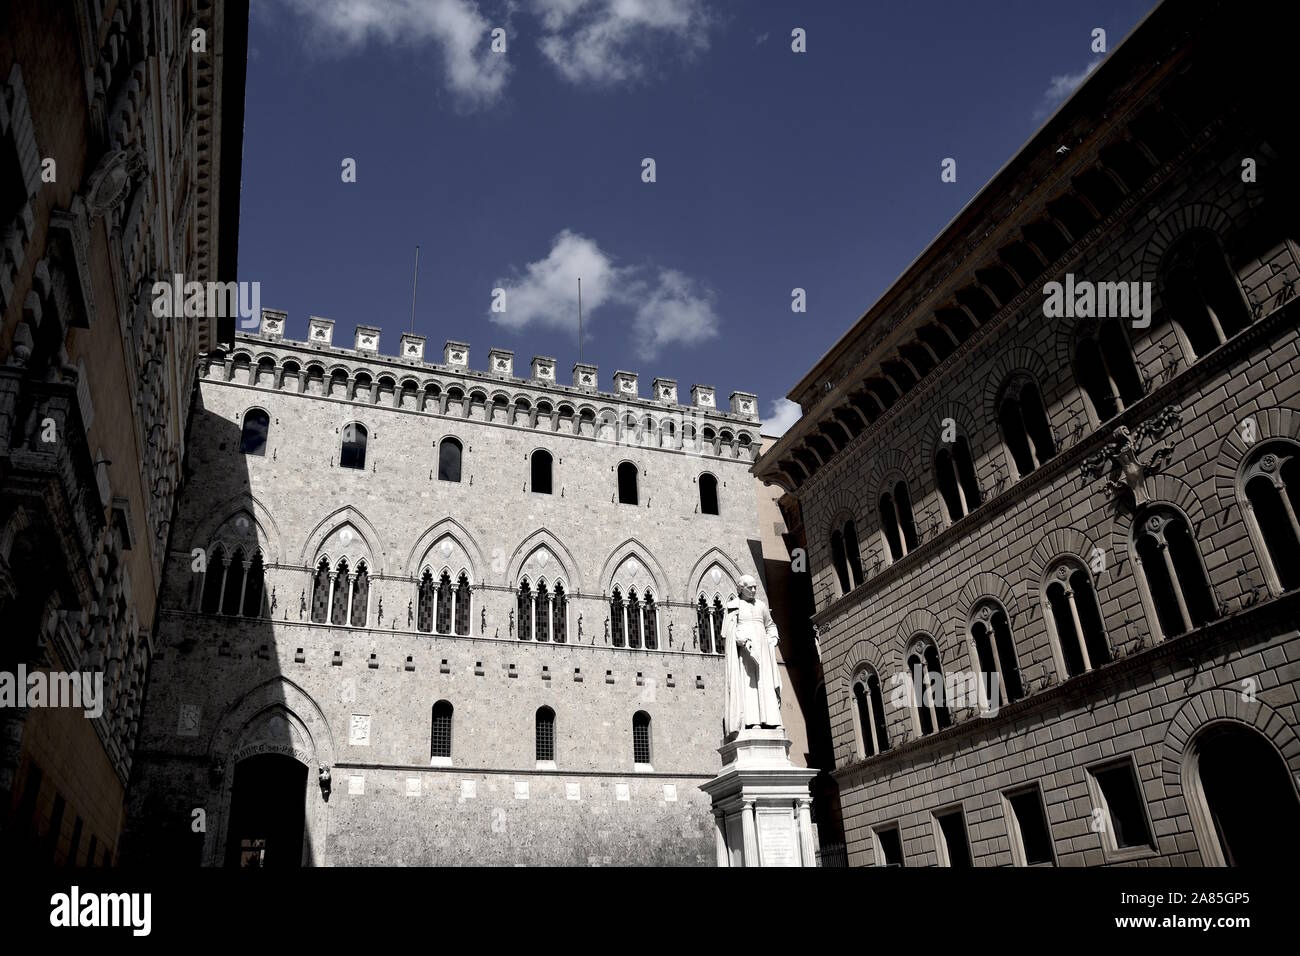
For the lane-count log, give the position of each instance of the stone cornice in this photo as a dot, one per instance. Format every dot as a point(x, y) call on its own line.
point(768, 464)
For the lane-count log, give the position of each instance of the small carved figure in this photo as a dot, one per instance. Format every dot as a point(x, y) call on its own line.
point(482, 620)
point(302, 604)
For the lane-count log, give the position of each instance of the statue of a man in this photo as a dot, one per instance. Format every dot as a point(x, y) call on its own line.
point(753, 683)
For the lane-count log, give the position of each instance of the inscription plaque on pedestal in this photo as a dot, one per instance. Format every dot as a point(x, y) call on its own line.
point(776, 839)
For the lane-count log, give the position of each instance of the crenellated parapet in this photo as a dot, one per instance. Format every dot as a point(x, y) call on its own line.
point(450, 387)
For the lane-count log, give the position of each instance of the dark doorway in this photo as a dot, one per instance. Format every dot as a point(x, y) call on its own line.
point(267, 811)
point(1250, 797)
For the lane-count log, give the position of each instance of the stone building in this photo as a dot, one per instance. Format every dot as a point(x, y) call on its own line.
point(418, 613)
point(1054, 552)
point(116, 135)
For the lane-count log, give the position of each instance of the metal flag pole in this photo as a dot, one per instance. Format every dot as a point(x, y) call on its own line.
point(579, 320)
point(415, 287)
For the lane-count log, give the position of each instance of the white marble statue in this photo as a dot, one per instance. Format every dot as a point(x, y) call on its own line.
point(753, 683)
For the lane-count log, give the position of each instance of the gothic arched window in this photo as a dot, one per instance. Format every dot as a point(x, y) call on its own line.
point(254, 582)
point(353, 453)
point(641, 750)
point(360, 596)
point(462, 605)
point(541, 472)
point(425, 602)
point(214, 580)
point(617, 620)
point(525, 611)
point(320, 593)
point(650, 622)
point(560, 614)
point(449, 456)
point(339, 596)
point(233, 592)
point(1173, 579)
point(897, 522)
point(252, 438)
point(443, 616)
point(635, 622)
point(542, 615)
point(545, 734)
point(627, 493)
point(704, 626)
point(440, 733)
point(708, 495)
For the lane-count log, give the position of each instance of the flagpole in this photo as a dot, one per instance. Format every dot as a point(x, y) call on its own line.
point(579, 320)
point(415, 287)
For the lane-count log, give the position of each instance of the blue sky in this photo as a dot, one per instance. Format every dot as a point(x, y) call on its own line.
point(522, 170)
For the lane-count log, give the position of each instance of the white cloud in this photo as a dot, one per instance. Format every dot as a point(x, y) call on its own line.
point(1060, 87)
point(668, 307)
point(475, 75)
point(609, 41)
point(783, 414)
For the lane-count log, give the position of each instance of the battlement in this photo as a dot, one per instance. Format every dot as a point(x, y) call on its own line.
point(455, 360)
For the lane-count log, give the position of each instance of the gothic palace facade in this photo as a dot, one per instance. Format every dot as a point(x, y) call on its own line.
point(415, 613)
point(1093, 516)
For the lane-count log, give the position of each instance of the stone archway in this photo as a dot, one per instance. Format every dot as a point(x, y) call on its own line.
point(277, 719)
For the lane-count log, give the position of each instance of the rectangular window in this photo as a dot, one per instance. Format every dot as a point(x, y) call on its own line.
point(889, 847)
point(1119, 808)
point(1031, 836)
point(950, 838)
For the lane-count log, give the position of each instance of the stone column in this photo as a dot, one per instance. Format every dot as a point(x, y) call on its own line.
point(720, 838)
point(803, 809)
point(749, 831)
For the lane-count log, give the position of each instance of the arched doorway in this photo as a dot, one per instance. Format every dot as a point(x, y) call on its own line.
point(1242, 798)
point(267, 812)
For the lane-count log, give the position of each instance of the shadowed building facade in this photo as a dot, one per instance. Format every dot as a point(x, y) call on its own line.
point(1054, 553)
point(119, 166)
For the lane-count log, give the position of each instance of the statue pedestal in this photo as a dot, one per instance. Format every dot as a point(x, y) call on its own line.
point(762, 810)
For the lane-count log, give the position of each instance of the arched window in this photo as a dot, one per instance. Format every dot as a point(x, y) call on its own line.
point(1202, 292)
point(708, 495)
point(1025, 429)
point(846, 556)
point(560, 614)
point(214, 582)
point(462, 605)
point(253, 587)
point(230, 599)
point(650, 622)
point(545, 735)
point(1074, 619)
point(719, 642)
point(449, 455)
point(252, 440)
point(704, 626)
point(1270, 486)
point(635, 624)
point(955, 474)
point(929, 711)
point(1172, 578)
point(342, 583)
point(617, 620)
point(353, 454)
point(896, 521)
point(869, 707)
point(424, 611)
point(627, 483)
point(524, 612)
point(542, 613)
point(1105, 370)
point(320, 593)
point(360, 596)
point(440, 734)
point(444, 603)
point(641, 738)
point(990, 633)
point(541, 478)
